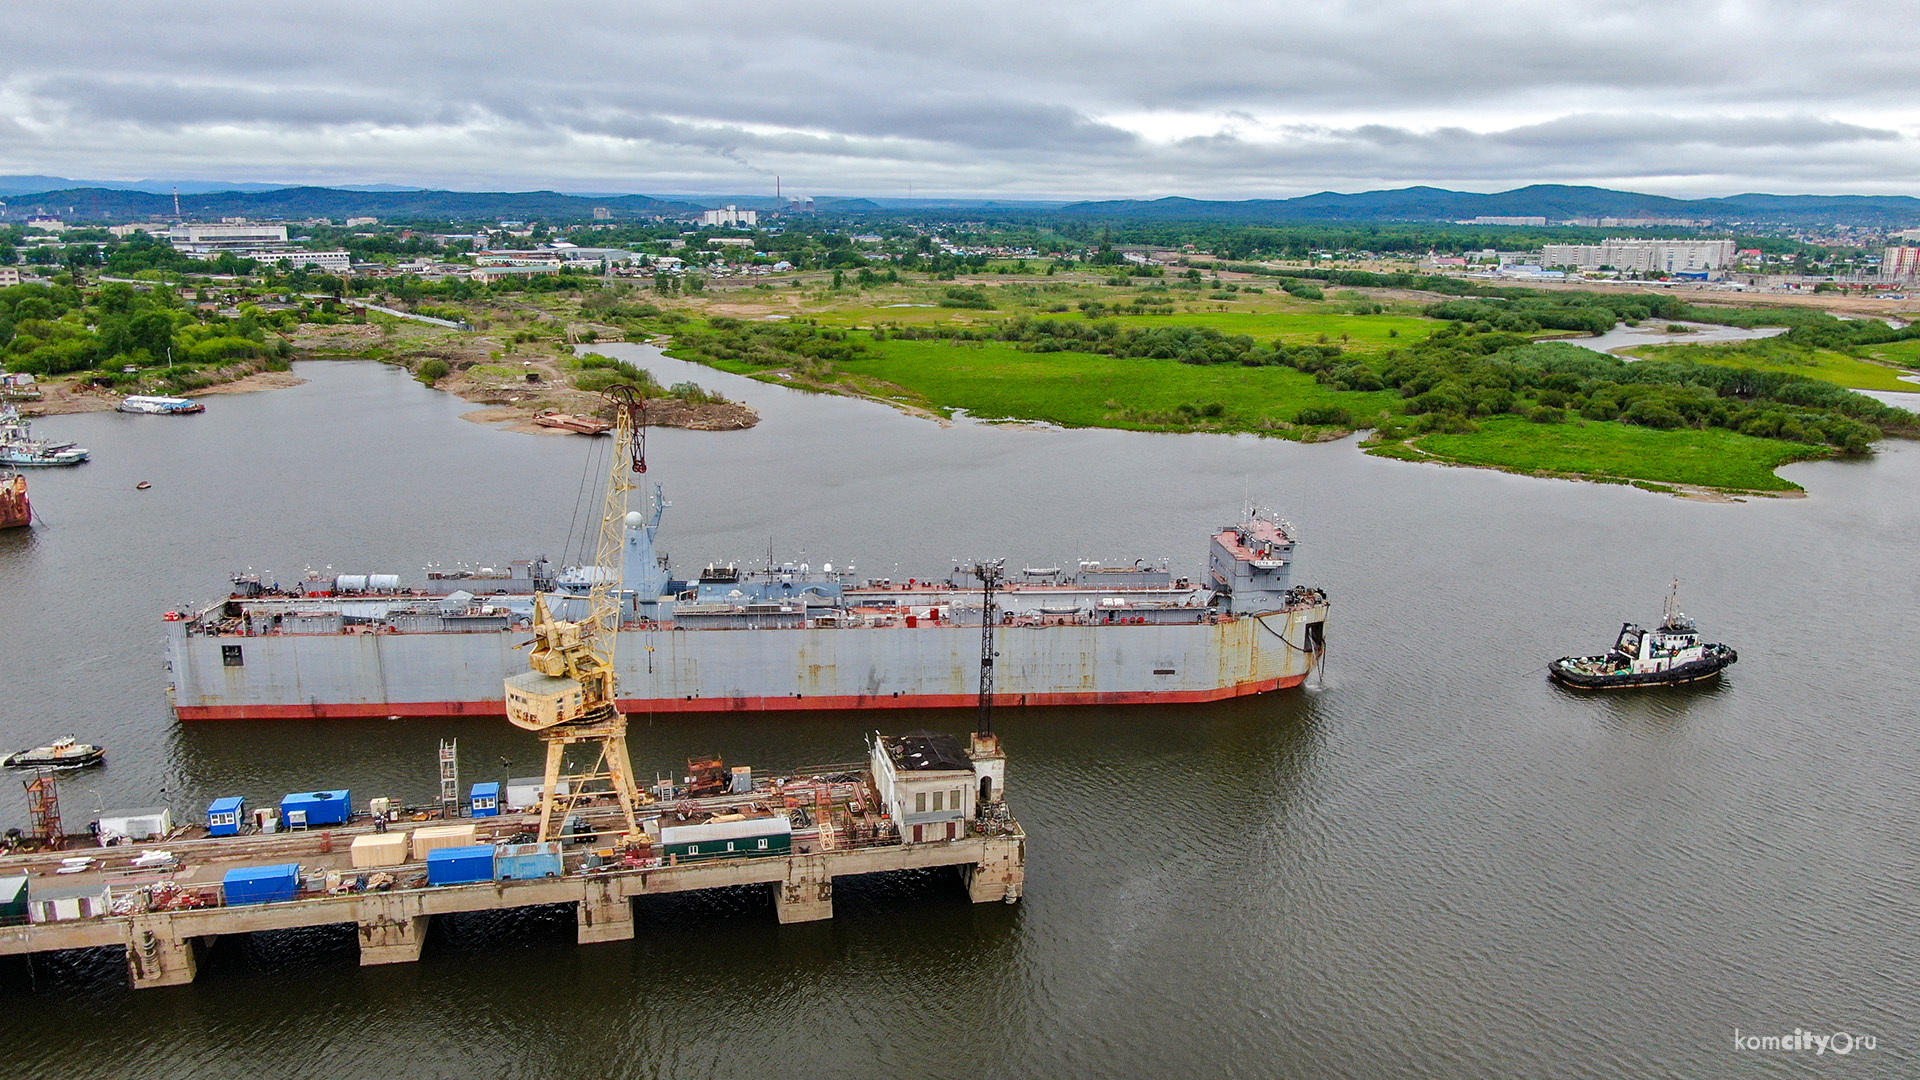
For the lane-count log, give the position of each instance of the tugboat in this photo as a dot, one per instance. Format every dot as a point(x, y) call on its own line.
point(60, 754)
point(1669, 655)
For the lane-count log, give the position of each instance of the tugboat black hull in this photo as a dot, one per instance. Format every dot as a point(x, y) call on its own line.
point(1717, 659)
point(44, 757)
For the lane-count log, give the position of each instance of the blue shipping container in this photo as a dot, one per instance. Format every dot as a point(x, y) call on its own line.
point(524, 862)
point(262, 884)
point(460, 865)
point(321, 807)
point(224, 816)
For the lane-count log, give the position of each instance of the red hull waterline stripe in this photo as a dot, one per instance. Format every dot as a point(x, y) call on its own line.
point(363, 710)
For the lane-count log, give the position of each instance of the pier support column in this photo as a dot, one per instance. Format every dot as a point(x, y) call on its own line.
point(157, 956)
point(806, 895)
point(1001, 873)
point(605, 915)
point(390, 933)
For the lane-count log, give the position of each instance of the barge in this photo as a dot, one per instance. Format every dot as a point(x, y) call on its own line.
point(787, 637)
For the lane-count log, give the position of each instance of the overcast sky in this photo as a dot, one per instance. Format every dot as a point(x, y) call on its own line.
point(1108, 98)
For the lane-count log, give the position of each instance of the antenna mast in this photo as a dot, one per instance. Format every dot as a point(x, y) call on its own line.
point(990, 575)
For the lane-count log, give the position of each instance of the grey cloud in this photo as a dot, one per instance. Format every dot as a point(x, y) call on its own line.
point(992, 97)
point(167, 105)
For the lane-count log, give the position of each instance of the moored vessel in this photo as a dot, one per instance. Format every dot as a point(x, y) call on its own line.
point(786, 637)
point(585, 425)
point(15, 511)
point(154, 405)
point(19, 448)
point(1668, 655)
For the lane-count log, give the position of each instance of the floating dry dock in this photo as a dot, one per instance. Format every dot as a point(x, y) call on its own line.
point(918, 802)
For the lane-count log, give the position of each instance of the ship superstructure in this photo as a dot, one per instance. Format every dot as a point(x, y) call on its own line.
point(781, 637)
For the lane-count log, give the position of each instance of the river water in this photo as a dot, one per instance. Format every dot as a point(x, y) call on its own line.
point(1436, 863)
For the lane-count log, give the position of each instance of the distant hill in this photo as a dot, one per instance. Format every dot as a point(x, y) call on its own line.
point(111, 202)
point(18, 185)
point(105, 204)
point(1555, 202)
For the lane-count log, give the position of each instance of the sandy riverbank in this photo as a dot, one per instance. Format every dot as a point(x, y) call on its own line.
point(65, 396)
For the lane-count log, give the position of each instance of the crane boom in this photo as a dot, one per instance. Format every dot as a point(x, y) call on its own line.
point(570, 694)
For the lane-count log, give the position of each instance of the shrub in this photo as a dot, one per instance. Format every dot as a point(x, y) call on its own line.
point(1325, 416)
point(432, 371)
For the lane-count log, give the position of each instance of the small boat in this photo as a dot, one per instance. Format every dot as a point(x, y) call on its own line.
point(1668, 655)
point(59, 754)
point(154, 405)
point(143, 485)
point(585, 425)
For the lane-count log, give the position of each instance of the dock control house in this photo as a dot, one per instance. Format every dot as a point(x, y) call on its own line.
point(484, 799)
point(927, 782)
point(224, 816)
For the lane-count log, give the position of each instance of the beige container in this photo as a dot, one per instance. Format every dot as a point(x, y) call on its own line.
point(379, 849)
point(435, 837)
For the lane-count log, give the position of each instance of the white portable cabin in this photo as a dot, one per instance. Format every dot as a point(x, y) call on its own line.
point(147, 823)
point(74, 902)
point(523, 793)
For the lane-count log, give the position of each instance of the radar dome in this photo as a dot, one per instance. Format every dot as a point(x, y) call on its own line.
point(634, 519)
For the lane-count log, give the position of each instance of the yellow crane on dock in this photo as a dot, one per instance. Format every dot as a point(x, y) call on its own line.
point(570, 694)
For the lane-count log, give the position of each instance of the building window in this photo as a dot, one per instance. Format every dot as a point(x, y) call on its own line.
point(919, 802)
point(956, 799)
point(939, 801)
point(763, 845)
point(230, 656)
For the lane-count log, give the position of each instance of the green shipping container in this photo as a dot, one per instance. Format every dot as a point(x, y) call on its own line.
point(13, 900)
point(751, 838)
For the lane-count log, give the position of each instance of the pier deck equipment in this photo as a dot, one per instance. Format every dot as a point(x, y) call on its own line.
point(161, 911)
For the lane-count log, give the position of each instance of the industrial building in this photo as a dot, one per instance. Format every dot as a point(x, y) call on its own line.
point(244, 240)
point(732, 215)
point(1644, 256)
point(333, 262)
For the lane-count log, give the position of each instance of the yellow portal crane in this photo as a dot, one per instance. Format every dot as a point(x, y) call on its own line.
point(571, 694)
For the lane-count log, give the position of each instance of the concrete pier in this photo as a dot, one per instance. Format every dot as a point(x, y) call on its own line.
point(606, 914)
point(807, 893)
point(161, 947)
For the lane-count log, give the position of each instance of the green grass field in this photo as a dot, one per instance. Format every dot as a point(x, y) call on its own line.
point(1711, 458)
point(994, 380)
point(1904, 353)
point(1833, 367)
point(1353, 331)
